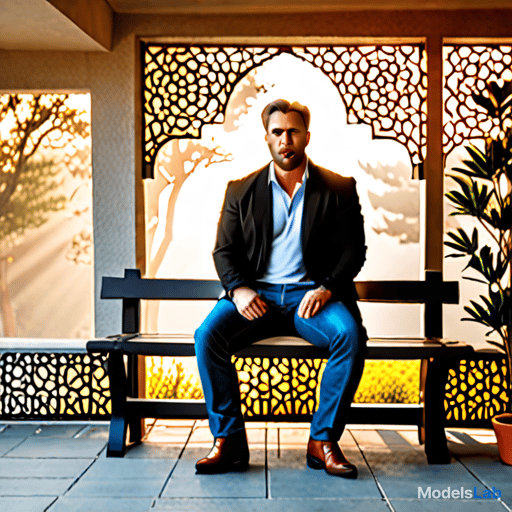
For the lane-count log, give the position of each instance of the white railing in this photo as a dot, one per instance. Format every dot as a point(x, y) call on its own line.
point(42, 345)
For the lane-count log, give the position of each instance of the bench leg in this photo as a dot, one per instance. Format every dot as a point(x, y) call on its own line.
point(436, 445)
point(135, 424)
point(118, 422)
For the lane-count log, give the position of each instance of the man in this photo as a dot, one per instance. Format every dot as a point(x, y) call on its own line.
point(290, 241)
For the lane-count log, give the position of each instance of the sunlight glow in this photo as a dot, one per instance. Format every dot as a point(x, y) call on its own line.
point(191, 176)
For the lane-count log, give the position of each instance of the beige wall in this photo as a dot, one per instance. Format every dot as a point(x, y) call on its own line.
point(111, 79)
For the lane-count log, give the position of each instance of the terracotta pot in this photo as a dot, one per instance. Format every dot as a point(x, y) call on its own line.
point(502, 424)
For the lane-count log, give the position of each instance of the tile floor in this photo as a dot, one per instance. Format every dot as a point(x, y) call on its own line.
point(63, 467)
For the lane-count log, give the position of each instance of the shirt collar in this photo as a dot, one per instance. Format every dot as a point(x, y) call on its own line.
point(272, 173)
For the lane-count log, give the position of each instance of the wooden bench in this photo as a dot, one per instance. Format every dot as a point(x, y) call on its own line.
point(128, 409)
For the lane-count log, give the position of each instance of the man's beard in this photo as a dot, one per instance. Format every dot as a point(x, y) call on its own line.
point(290, 163)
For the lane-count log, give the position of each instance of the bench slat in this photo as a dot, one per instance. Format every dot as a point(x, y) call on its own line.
point(288, 347)
point(160, 289)
point(132, 286)
point(399, 414)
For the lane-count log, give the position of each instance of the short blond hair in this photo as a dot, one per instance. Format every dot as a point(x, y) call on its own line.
point(285, 106)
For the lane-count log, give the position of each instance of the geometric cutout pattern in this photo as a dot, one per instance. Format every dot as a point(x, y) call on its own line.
point(467, 69)
point(75, 386)
point(476, 390)
point(278, 386)
point(72, 386)
point(382, 86)
point(186, 87)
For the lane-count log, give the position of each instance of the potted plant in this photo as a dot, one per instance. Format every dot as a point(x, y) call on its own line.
point(484, 193)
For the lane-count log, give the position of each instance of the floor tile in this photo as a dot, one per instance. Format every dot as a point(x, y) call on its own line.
point(94, 432)
point(201, 436)
point(122, 468)
point(68, 431)
point(9, 443)
point(40, 465)
point(51, 447)
point(117, 488)
point(393, 438)
point(412, 439)
point(154, 451)
point(269, 505)
point(310, 483)
point(368, 438)
point(436, 505)
point(185, 483)
point(20, 504)
point(399, 462)
point(67, 504)
point(249, 485)
point(42, 468)
point(14, 430)
point(168, 434)
point(488, 468)
point(286, 457)
point(34, 486)
point(492, 473)
point(292, 437)
point(408, 486)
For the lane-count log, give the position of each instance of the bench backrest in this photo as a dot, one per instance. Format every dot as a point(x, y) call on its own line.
point(433, 292)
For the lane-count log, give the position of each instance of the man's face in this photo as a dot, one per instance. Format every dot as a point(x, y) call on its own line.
point(287, 139)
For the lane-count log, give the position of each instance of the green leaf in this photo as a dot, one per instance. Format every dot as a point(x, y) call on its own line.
point(476, 194)
point(453, 255)
point(486, 103)
point(480, 166)
point(501, 267)
point(466, 172)
point(474, 279)
point(497, 299)
point(479, 315)
point(478, 157)
point(474, 263)
point(473, 198)
point(506, 104)
point(460, 202)
point(496, 93)
point(462, 242)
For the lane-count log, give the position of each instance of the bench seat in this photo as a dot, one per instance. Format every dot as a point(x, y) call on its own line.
point(182, 345)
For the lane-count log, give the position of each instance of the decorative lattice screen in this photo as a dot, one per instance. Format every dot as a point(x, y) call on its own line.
point(186, 87)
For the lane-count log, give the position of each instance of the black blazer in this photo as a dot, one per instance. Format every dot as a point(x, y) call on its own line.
point(333, 241)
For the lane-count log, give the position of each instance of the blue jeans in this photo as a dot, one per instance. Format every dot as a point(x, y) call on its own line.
point(225, 331)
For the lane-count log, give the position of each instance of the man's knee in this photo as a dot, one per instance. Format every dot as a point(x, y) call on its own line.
point(350, 337)
point(207, 334)
point(203, 340)
point(211, 343)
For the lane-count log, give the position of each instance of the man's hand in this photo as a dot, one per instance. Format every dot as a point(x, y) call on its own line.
point(248, 303)
point(313, 302)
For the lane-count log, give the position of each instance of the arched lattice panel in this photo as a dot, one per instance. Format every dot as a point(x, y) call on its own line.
point(185, 88)
point(383, 86)
point(467, 69)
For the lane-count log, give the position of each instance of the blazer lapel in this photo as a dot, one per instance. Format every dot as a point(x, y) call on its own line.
point(312, 200)
point(262, 214)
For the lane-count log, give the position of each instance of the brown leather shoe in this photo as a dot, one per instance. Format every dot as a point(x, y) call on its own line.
point(328, 455)
point(228, 454)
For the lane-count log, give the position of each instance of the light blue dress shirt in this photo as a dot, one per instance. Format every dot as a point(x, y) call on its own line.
point(286, 263)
